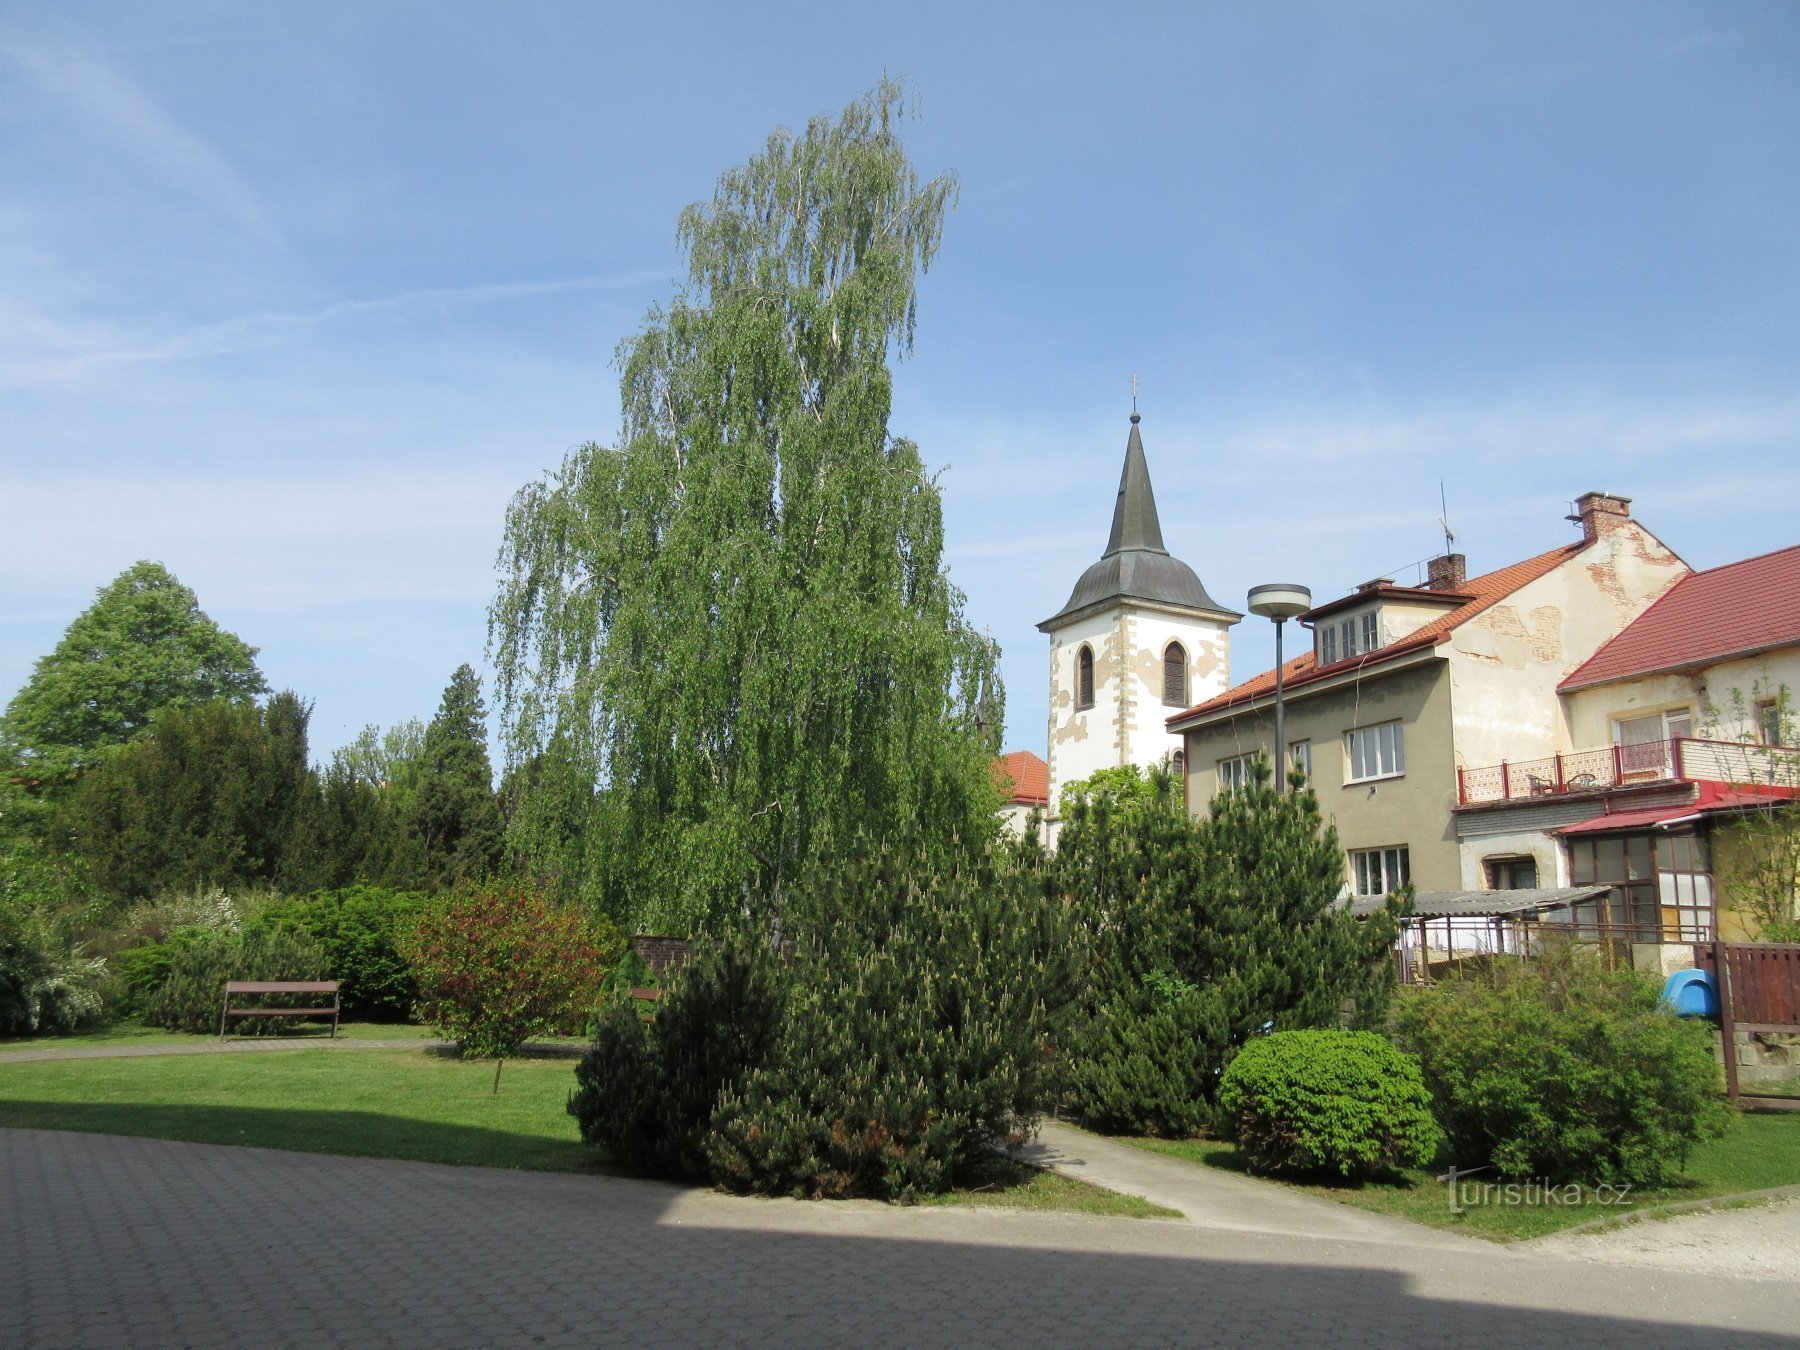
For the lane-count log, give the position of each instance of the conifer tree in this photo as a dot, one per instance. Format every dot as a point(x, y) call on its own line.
point(454, 815)
point(736, 622)
point(1202, 934)
point(214, 797)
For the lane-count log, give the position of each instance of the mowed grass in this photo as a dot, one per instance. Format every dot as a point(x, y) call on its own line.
point(128, 1035)
point(411, 1103)
point(405, 1103)
point(1762, 1153)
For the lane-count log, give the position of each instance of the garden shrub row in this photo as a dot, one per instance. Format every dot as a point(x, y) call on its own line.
point(1556, 1068)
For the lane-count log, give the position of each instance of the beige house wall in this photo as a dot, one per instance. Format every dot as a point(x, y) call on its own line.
point(1411, 810)
point(1506, 662)
point(1721, 697)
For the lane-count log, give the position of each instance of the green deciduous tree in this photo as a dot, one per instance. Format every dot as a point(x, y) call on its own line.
point(736, 623)
point(143, 647)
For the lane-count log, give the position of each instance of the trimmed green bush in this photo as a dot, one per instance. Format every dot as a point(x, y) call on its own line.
point(360, 929)
point(1559, 1068)
point(192, 994)
point(1341, 1102)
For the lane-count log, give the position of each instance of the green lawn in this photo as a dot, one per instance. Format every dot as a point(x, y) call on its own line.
point(117, 1034)
point(1762, 1153)
point(410, 1103)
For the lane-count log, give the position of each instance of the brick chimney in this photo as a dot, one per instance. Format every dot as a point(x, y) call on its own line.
point(1600, 513)
point(1379, 583)
point(1447, 573)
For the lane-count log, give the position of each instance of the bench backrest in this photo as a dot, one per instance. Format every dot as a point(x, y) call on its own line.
point(282, 987)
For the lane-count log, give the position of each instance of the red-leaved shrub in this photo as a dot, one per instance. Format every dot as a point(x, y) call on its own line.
point(500, 964)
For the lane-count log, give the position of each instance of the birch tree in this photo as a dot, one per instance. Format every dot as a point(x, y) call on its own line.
point(736, 623)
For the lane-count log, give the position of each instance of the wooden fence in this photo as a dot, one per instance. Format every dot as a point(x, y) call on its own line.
point(1759, 990)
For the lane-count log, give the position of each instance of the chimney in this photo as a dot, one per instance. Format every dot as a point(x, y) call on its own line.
point(1447, 573)
point(1379, 583)
point(1600, 513)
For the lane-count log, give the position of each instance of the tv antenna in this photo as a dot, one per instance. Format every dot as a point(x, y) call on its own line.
point(1444, 520)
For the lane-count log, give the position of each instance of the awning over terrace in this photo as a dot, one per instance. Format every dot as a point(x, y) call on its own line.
point(1482, 904)
point(1712, 800)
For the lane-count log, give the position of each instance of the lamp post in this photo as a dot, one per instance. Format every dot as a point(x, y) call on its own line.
point(1280, 602)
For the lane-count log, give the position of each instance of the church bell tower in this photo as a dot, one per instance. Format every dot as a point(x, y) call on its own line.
point(1138, 641)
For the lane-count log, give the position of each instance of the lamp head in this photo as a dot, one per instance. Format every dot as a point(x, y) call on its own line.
point(1279, 600)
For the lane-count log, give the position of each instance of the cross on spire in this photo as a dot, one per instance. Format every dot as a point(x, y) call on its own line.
point(1134, 391)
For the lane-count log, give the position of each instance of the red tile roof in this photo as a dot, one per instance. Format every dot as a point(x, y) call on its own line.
point(1025, 776)
point(1742, 607)
point(1483, 592)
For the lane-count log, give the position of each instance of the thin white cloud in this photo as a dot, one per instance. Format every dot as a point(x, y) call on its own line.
point(117, 109)
point(264, 330)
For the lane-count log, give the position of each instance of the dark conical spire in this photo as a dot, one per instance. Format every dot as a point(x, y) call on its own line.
point(1134, 515)
point(1136, 565)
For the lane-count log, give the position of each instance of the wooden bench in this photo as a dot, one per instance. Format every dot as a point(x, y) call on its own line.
point(236, 987)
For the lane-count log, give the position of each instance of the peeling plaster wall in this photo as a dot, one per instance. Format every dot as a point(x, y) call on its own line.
point(1126, 725)
point(1411, 810)
point(1552, 867)
point(1708, 693)
point(1147, 739)
point(1084, 742)
point(1506, 662)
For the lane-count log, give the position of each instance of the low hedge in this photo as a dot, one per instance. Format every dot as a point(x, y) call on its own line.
point(1345, 1103)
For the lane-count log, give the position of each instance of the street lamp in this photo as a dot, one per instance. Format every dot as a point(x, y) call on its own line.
point(1279, 602)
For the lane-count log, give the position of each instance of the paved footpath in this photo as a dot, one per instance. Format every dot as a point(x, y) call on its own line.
point(110, 1241)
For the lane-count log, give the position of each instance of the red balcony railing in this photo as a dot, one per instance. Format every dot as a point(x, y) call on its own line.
point(1679, 760)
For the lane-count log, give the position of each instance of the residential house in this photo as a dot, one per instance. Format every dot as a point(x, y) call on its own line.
point(1025, 779)
point(1405, 689)
point(1677, 729)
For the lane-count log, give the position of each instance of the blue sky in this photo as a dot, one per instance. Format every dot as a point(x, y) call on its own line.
point(292, 298)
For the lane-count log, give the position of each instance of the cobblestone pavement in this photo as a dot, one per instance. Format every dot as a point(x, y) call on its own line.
point(110, 1241)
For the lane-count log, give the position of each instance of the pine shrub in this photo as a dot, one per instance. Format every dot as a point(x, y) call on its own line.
point(1559, 1068)
point(647, 1089)
point(1197, 936)
point(1345, 1103)
point(915, 1038)
point(901, 1034)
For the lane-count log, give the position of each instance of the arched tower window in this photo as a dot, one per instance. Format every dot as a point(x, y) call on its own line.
point(1084, 678)
point(1175, 689)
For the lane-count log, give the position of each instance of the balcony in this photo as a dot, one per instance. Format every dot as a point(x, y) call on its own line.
point(1681, 760)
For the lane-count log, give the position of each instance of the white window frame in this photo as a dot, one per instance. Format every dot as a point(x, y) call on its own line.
point(1379, 871)
point(1300, 757)
point(1234, 772)
point(1770, 714)
point(1375, 752)
point(1347, 637)
point(1371, 631)
point(1327, 644)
